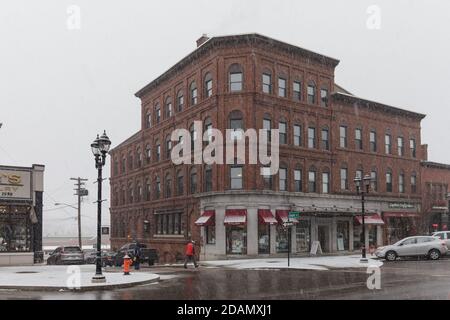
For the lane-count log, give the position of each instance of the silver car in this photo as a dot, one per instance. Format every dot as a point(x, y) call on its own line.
point(444, 236)
point(426, 246)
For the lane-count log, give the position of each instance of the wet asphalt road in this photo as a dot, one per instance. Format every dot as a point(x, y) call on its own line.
point(399, 280)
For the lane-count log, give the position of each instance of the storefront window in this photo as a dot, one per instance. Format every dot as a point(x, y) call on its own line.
point(357, 236)
point(237, 240)
point(372, 235)
point(342, 234)
point(399, 228)
point(15, 231)
point(169, 224)
point(302, 234)
point(210, 234)
point(263, 238)
point(282, 239)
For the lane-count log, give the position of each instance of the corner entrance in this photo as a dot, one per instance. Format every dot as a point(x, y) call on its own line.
point(323, 235)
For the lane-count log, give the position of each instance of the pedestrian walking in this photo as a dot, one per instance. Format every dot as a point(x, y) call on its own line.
point(190, 254)
point(137, 256)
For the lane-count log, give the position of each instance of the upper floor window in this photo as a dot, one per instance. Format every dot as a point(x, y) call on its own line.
point(344, 179)
point(148, 120)
point(236, 177)
point(236, 78)
point(158, 152)
point(358, 139)
point(374, 180)
point(194, 93)
point(158, 114)
point(208, 178)
point(325, 182)
point(283, 134)
point(282, 87)
point(297, 90)
point(387, 144)
point(389, 181)
point(324, 97)
point(267, 125)
point(148, 153)
point(343, 136)
point(267, 179)
point(325, 139)
point(312, 180)
point(168, 188)
point(412, 146)
point(208, 85)
point(311, 93)
point(123, 165)
point(180, 183)
point(373, 141)
point(148, 187)
point(401, 183)
point(413, 183)
point(193, 181)
point(236, 123)
point(282, 173)
point(297, 135)
point(267, 83)
point(400, 146)
point(298, 180)
point(157, 188)
point(311, 137)
point(139, 158)
point(168, 147)
point(180, 101)
point(168, 108)
point(130, 161)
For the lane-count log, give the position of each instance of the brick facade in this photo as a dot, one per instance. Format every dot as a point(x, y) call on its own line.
point(134, 214)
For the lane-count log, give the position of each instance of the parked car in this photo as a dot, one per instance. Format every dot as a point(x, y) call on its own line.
point(444, 236)
point(147, 255)
point(426, 246)
point(66, 255)
point(108, 258)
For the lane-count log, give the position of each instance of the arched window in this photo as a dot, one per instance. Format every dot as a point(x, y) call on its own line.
point(148, 189)
point(157, 113)
point(193, 134)
point(208, 128)
point(235, 78)
point(139, 157)
point(130, 160)
point(148, 120)
point(168, 146)
point(168, 107)
point(130, 193)
point(324, 96)
point(180, 183)
point(123, 195)
point(194, 93)
point(208, 178)
point(148, 153)
point(157, 187)
point(123, 165)
point(139, 192)
point(193, 181)
point(311, 92)
point(158, 151)
point(180, 100)
point(312, 179)
point(208, 85)
point(168, 187)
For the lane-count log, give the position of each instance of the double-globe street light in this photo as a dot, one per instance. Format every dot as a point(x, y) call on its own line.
point(100, 148)
point(362, 187)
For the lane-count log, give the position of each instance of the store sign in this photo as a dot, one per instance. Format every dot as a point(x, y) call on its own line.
point(15, 184)
point(105, 230)
point(400, 205)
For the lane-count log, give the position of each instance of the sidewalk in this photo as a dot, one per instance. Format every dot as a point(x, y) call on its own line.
point(306, 263)
point(68, 278)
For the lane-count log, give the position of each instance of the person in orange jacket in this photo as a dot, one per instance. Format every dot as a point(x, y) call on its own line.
point(190, 254)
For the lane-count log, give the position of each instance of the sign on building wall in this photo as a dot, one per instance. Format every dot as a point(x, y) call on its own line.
point(15, 184)
point(401, 205)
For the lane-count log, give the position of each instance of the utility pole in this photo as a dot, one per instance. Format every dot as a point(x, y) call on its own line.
point(80, 191)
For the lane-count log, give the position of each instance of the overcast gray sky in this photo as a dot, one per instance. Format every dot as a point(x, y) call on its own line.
point(59, 86)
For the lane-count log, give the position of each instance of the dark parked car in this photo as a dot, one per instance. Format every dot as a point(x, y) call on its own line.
point(66, 255)
point(147, 255)
point(108, 258)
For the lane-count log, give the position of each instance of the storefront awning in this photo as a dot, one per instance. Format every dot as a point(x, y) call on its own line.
point(235, 217)
point(206, 219)
point(266, 216)
point(282, 216)
point(400, 215)
point(370, 219)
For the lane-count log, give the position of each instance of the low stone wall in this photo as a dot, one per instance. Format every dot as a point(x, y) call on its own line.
point(16, 259)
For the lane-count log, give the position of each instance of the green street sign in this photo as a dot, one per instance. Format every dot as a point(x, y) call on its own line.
point(294, 215)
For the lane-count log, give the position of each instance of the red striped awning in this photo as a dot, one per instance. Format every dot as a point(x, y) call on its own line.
point(266, 216)
point(370, 219)
point(235, 217)
point(282, 216)
point(206, 219)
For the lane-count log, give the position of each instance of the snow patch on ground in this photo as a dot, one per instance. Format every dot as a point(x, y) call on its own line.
point(307, 263)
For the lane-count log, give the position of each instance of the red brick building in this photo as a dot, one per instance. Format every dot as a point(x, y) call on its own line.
point(327, 137)
point(435, 196)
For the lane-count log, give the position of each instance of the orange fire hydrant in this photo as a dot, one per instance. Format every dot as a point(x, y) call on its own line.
point(126, 265)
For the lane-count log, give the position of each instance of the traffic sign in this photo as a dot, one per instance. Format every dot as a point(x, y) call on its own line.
point(288, 224)
point(294, 215)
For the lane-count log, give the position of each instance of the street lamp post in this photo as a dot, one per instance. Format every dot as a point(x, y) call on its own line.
point(100, 148)
point(362, 187)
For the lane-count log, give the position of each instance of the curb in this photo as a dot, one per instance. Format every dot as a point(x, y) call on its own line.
point(86, 288)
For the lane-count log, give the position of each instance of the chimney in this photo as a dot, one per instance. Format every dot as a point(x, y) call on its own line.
point(202, 40)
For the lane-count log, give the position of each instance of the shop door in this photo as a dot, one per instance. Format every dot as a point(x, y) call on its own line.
point(322, 236)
